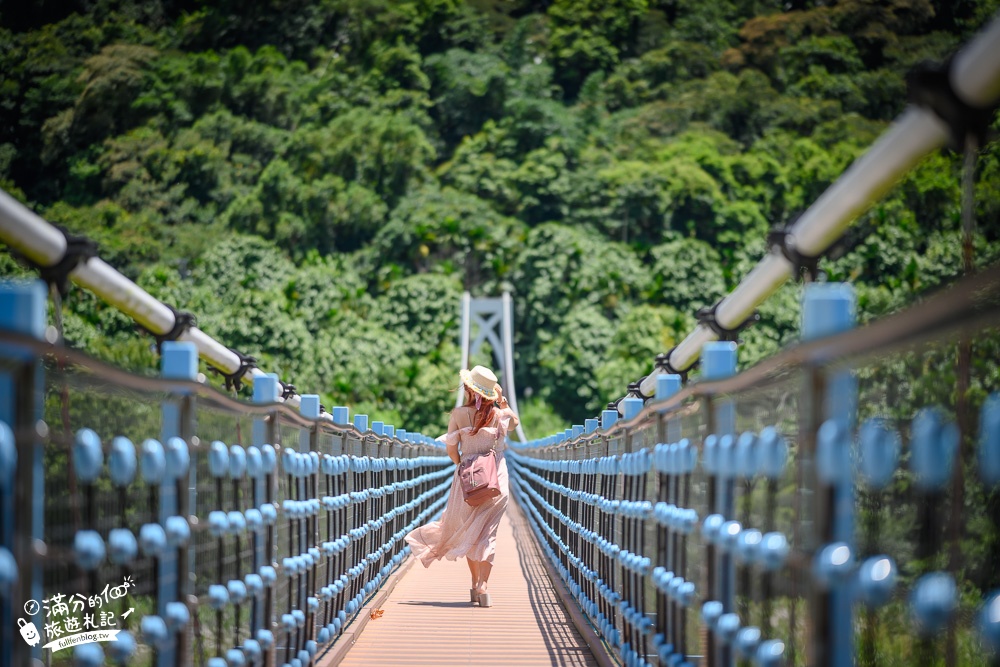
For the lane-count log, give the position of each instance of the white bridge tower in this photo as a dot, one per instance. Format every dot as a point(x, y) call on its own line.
point(493, 318)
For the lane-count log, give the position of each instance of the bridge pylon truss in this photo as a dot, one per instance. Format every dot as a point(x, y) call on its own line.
point(493, 319)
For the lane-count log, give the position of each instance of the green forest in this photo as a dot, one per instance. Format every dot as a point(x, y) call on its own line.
point(318, 181)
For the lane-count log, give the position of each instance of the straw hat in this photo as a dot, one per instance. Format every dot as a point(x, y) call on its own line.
point(482, 381)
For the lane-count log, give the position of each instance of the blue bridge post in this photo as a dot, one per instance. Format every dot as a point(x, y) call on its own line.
point(608, 419)
point(266, 391)
point(177, 496)
point(22, 466)
point(668, 384)
point(828, 309)
point(308, 442)
point(718, 361)
point(670, 491)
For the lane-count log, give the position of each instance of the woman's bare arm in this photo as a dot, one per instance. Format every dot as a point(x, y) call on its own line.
point(453, 425)
point(514, 420)
point(505, 408)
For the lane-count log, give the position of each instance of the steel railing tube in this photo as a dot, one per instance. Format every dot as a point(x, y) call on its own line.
point(908, 140)
point(975, 78)
point(26, 232)
point(100, 278)
point(975, 71)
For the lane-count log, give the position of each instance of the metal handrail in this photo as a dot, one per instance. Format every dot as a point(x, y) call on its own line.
point(966, 303)
point(45, 245)
point(150, 384)
point(975, 78)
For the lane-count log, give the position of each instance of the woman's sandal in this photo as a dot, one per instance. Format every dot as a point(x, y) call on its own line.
point(473, 596)
point(484, 600)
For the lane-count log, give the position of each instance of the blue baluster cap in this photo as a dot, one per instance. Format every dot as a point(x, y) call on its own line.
point(218, 459)
point(237, 523)
point(772, 453)
point(728, 534)
point(152, 539)
point(178, 458)
point(727, 627)
point(87, 455)
point(876, 580)
point(833, 452)
point(255, 463)
point(771, 653)
point(748, 546)
point(8, 457)
point(122, 546)
point(218, 596)
point(122, 462)
point(253, 651)
point(933, 445)
point(833, 563)
point(237, 591)
point(177, 616)
point(88, 547)
point(235, 658)
point(88, 655)
point(123, 648)
point(988, 622)
point(154, 631)
point(269, 458)
point(237, 462)
point(933, 602)
point(154, 462)
point(710, 455)
point(747, 642)
point(879, 452)
point(177, 530)
point(746, 455)
point(773, 551)
point(989, 440)
point(726, 460)
point(710, 613)
point(218, 523)
point(711, 526)
point(255, 584)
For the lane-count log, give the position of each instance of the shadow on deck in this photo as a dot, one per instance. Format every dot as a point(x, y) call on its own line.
point(428, 619)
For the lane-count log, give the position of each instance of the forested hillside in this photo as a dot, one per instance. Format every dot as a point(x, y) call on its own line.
point(318, 180)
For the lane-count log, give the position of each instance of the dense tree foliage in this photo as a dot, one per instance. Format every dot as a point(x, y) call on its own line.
point(319, 181)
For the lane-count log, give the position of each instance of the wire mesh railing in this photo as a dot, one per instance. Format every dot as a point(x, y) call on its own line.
point(189, 527)
point(838, 504)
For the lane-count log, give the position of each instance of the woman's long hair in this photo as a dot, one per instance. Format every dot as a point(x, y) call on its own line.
point(484, 413)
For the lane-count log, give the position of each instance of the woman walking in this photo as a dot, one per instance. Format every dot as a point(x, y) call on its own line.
point(479, 425)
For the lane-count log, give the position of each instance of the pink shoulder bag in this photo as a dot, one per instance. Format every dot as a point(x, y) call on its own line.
point(478, 474)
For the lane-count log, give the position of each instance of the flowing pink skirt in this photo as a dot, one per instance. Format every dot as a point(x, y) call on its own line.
point(462, 530)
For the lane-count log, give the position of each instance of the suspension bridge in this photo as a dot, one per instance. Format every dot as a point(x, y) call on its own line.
point(836, 504)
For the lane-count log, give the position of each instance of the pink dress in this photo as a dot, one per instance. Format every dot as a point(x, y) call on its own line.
point(464, 530)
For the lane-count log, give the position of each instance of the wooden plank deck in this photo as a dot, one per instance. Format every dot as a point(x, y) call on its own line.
point(428, 619)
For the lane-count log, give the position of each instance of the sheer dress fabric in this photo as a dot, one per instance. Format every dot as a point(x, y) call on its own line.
point(464, 530)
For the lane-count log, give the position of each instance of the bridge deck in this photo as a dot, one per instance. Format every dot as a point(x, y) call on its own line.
point(428, 619)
